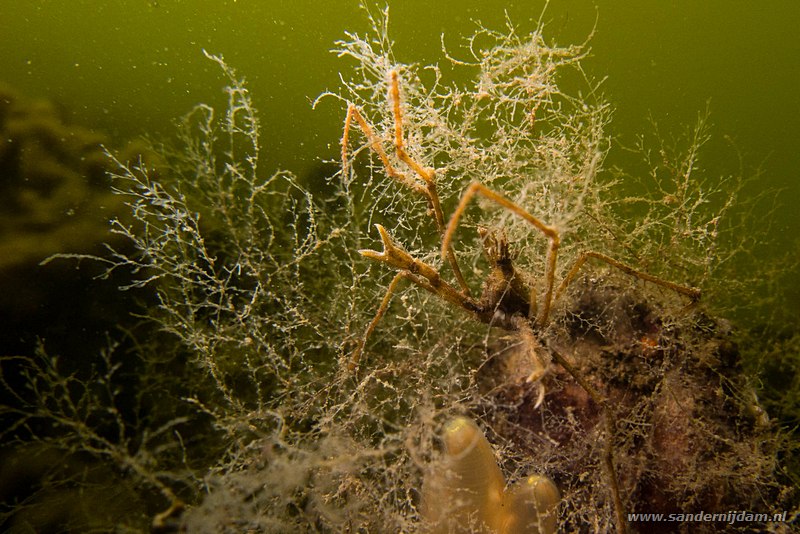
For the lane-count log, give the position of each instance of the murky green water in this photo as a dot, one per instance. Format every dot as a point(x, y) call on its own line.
point(131, 67)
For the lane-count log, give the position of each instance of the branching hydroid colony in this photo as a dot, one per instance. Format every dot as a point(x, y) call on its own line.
point(529, 139)
point(287, 417)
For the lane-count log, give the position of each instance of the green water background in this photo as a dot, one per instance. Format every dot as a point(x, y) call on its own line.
point(130, 67)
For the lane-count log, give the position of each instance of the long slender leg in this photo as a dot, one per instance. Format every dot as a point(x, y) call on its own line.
point(394, 91)
point(352, 365)
point(418, 272)
point(426, 185)
point(691, 292)
point(428, 276)
point(427, 175)
point(418, 280)
point(549, 231)
point(377, 147)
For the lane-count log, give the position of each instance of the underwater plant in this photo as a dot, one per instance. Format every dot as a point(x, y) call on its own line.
point(626, 337)
point(278, 387)
point(210, 238)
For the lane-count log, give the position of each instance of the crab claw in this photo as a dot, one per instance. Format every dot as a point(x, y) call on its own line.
point(388, 245)
point(391, 254)
point(536, 377)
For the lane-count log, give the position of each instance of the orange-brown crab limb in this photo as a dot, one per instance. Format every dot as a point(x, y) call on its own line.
point(396, 257)
point(691, 292)
point(549, 231)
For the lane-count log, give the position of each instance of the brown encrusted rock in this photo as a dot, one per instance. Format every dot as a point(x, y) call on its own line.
point(685, 435)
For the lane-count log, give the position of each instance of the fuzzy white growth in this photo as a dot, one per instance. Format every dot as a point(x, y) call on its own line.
point(260, 289)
